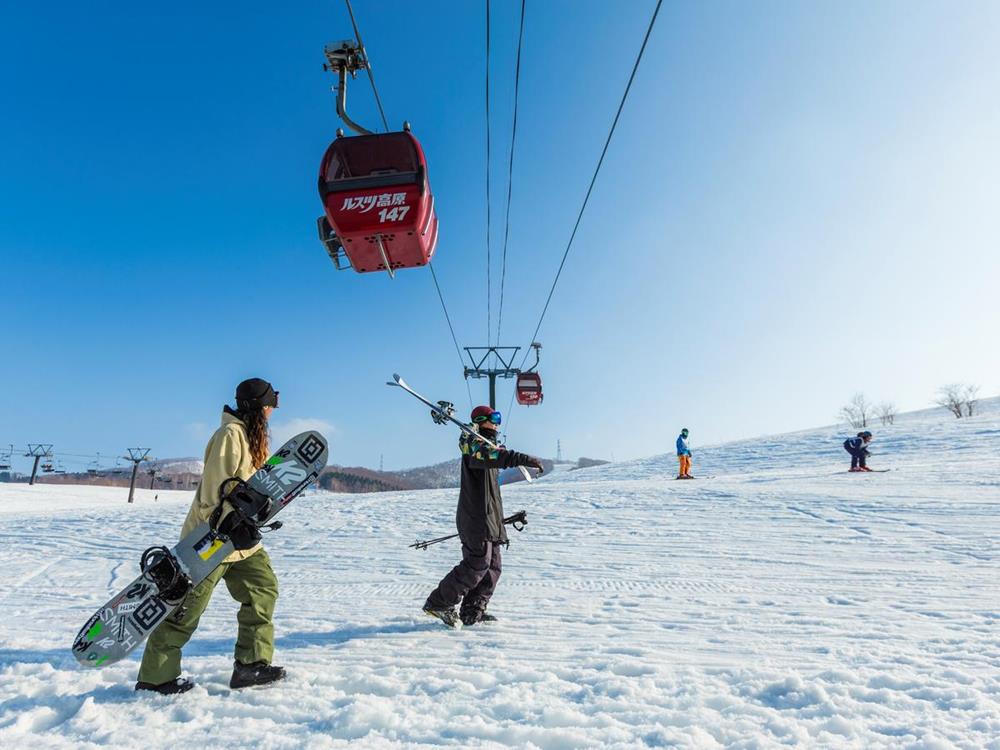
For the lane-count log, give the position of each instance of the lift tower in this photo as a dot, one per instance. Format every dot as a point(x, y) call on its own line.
point(504, 355)
point(38, 452)
point(136, 456)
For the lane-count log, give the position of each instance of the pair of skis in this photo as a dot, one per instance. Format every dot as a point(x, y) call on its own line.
point(443, 411)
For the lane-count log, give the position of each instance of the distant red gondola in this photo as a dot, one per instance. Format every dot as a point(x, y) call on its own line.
point(378, 202)
point(529, 389)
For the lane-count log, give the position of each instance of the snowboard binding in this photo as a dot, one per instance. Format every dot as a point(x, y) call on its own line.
point(250, 510)
point(162, 568)
point(442, 414)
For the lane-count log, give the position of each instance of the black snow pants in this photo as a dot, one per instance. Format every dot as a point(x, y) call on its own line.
point(471, 582)
point(859, 456)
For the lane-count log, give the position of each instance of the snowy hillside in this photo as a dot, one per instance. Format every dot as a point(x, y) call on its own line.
point(780, 601)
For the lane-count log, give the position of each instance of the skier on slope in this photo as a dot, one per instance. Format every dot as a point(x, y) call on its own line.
point(858, 448)
point(237, 449)
point(480, 526)
point(683, 456)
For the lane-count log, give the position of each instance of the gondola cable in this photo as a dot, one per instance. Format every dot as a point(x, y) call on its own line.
point(593, 180)
point(489, 279)
point(454, 338)
point(368, 65)
point(597, 170)
point(378, 100)
point(510, 172)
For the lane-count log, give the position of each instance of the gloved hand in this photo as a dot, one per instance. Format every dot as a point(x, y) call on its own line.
point(535, 463)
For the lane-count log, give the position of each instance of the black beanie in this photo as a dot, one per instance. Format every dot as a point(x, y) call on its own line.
point(255, 393)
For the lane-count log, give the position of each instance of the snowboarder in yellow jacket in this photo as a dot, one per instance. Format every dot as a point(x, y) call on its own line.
point(237, 449)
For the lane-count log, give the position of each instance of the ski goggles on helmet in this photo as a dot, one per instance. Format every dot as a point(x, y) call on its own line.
point(493, 418)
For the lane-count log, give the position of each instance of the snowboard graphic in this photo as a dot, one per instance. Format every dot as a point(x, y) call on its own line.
point(121, 624)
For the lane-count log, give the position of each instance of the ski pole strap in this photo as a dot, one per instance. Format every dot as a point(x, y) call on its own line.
point(519, 520)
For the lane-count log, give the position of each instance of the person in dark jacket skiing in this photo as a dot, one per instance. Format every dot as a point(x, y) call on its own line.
point(480, 526)
point(858, 448)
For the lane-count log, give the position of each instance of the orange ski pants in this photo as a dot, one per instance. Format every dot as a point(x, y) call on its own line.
point(685, 462)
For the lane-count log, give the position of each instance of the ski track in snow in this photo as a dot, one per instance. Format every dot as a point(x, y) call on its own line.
point(783, 602)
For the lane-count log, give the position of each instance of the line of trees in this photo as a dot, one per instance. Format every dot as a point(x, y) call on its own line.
point(860, 412)
point(961, 399)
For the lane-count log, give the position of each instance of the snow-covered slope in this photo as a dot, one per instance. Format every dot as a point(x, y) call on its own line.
point(779, 602)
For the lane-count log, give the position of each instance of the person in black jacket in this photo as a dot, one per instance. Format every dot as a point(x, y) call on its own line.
point(480, 526)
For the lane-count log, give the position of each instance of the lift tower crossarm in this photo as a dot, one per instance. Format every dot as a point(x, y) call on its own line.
point(505, 356)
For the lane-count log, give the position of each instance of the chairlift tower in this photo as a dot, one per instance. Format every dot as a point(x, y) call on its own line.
point(505, 355)
point(136, 456)
point(38, 451)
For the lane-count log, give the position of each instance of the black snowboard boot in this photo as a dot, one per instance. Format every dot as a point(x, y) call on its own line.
point(174, 687)
point(448, 616)
point(472, 616)
point(258, 673)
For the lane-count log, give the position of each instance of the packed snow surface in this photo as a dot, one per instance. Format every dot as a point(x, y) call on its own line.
point(777, 601)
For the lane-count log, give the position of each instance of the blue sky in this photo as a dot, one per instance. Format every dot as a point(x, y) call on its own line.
point(799, 203)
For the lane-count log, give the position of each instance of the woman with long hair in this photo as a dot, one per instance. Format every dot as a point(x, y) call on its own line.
point(237, 449)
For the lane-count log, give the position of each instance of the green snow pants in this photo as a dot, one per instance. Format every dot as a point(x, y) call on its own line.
point(252, 583)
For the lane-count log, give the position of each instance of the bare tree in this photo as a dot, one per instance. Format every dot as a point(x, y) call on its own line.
point(857, 412)
point(886, 411)
point(971, 396)
point(960, 399)
point(950, 397)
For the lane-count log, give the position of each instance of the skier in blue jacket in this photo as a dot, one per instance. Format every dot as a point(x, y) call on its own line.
point(684, 456)
point(858, 448)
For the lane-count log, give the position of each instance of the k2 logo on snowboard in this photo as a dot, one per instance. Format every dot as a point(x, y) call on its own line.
point(137, 589)
point(288, 473)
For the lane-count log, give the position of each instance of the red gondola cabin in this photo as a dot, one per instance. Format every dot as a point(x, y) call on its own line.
point(378, 201)
point(529, 389)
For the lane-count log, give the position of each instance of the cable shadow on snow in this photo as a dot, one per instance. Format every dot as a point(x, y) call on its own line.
point(59, 658)
point(62, 658)
point(338, 636)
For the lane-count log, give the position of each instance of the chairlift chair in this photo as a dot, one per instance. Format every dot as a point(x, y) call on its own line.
point(377, 201)
point(529, 389)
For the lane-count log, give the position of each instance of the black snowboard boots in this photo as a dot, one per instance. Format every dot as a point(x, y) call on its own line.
point(448, 616)
point(175, 686)
point(258, 673)
point(471, 617)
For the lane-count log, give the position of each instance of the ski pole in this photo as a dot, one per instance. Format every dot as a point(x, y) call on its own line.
point(519, 520)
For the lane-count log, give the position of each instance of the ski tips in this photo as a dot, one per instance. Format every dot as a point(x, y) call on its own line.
point(396, 380)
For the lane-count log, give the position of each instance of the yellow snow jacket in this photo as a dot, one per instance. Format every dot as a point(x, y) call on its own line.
point(226, 455)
